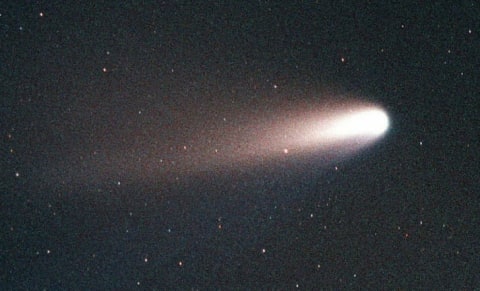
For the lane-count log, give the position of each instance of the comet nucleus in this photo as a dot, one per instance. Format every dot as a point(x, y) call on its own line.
point(365, 123)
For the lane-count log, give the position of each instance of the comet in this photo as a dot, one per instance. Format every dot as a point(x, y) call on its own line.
point(231, 138)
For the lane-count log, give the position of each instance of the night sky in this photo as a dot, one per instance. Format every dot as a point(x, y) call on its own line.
point(137, 149)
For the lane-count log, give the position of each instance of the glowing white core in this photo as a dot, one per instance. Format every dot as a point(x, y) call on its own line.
point(366, 123)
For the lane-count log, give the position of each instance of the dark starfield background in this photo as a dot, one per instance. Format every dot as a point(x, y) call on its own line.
point(82, 83)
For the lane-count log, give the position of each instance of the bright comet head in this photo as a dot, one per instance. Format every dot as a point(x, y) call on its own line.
point(366, 123)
